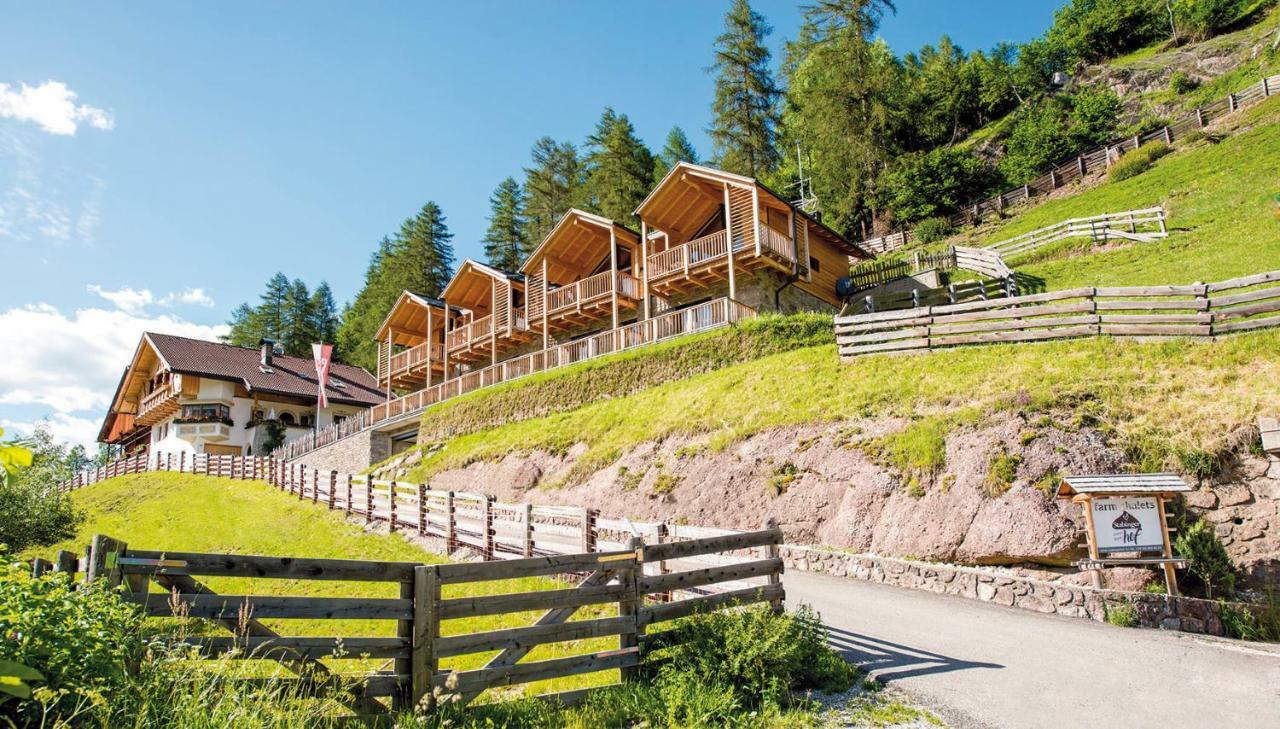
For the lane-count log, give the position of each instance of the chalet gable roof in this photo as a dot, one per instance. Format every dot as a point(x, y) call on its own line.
point(410, 299)
point(1121, 484)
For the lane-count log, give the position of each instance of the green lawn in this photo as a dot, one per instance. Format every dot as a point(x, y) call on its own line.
point(185, 512)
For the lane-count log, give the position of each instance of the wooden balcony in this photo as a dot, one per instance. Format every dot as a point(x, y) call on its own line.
point(409, 369)
point(477, 340)
point(158, 404)
point(591, 299)
point(706, 259)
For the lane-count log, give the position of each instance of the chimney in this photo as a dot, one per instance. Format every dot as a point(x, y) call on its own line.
point(268, 348)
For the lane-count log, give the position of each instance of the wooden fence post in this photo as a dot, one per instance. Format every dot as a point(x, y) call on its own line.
point(1200, 117)
point(1231, 102)
point(39, 567)
point(629, 603)
point(426, 628)
point(333, 488)
point(422, 509)
point(588, 530)
point(64, 561)
point(1080, 164)
point(1168, 135)
point(528, 530)
point(346, 503)
point(486, 526)
point(771, 551)
point(368, 500)
point(391, 493)
point(1266, 86)
point(451, 524)
point(402, 699)
point(315, 485)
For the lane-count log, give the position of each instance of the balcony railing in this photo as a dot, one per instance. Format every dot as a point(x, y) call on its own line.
point(158, 403)
point(592, 289)
point(480, 330)
point(415, 356)
point(710, 248)
point(698, 318)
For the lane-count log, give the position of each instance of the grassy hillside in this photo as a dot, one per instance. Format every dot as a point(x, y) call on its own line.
point(185, 512)
point(1169, 402)
point(1219, 197)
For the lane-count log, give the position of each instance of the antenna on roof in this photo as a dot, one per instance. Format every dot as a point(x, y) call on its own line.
point(807, 201)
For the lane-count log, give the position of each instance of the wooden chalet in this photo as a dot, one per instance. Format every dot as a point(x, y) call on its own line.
point(586, 272)
point(689, 219)
point(411, 352)
point(493, 320)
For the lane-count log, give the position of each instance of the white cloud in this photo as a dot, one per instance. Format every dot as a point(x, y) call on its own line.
point(53, 106)
point(188, 296)
point(135, 301)
point(71, 429)
point(72, 364)
point(126, 299)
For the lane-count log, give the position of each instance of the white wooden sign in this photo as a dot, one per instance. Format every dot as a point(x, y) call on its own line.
point(1127, 524)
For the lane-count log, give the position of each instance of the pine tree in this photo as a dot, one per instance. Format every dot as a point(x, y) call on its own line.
point(361, 318)
point(744, 128)
point(272, 309)
point(620, 167)
point(555, 183)
point(678, 149)
point(298, 334)
point(324, 314)
point(505, 244)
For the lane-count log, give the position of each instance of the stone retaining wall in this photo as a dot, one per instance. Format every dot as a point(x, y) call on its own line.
point(1188, 614)
point(353, 454)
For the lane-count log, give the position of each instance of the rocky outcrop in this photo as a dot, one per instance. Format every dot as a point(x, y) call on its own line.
point(826, 485)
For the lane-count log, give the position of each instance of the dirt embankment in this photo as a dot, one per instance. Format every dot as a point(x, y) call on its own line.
point(827, 486)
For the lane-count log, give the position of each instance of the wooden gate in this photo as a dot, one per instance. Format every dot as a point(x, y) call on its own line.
point(648, 584)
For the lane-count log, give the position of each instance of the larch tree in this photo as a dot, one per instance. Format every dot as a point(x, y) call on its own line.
point(505, 242)
point(555, 182)
point(677, 149)
point(619, 167)
point(839, 106)
point(745, 110)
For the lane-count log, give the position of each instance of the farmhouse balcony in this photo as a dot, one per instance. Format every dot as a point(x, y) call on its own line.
point(706, 259)
point(409, 368)
point(478, 339)
point(591, 299)
point(159, 404)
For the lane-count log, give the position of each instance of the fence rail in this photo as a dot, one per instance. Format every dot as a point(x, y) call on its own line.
point(1198, 310)
point(1079, 166)
point(689, 320)
point(649, 584)
point(1144, 224)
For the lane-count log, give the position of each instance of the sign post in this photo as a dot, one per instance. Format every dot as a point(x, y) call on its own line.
point(1125, 515)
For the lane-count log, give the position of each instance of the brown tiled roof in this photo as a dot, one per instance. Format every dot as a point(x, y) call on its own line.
point(293, 376)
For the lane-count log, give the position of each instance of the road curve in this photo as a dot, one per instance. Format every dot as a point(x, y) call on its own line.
point(983, 665)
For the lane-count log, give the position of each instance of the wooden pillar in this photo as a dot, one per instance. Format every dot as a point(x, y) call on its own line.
point(629, 604)
point(546, 333)
point(493, 322)
point(448, 320)
point(388, 365)
point(486, 527)
point(644, 265)
point(771, 551)
point(391, 506)
point(426, 628)
point(1170, 577)
point(1095, 575)
point(528, 530)
point(613, 272)
point(422, 509)
point(728, 235)
point(451, 524)
point(429, 345)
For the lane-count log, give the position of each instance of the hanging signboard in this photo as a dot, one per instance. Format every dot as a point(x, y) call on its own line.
point(1127, 524)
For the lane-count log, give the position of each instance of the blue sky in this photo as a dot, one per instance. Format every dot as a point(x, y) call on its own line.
point(215, 144)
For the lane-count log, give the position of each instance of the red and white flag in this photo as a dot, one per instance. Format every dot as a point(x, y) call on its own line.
point(322, 353)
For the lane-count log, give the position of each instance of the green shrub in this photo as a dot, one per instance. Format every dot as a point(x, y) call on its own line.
point(762, 655)
point(1001, 473)
point(34, 515)
point(1180, 82)
point(1137, 161)
point(932, 230)
point(1038, 139)
point(924, 184)
point(82, 641)
point(1207, 559)
point(1252, 622)
point(1094, 111)
point(1122, 614)
point(1200, 19)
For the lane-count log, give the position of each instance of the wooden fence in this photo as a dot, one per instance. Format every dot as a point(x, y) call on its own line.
point(1078, 167)
point(493, 530)
point(638, 579)
point(1142, 225)
point(876, 273)
point(1197, 310)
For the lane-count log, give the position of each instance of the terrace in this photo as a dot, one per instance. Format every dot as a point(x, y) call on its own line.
point(494, 321)
point(411, 342)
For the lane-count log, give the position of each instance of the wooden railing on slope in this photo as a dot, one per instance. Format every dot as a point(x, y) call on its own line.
point(1077, 167)
point(1145, 224)
point(689, 320)
point(1198, 310)
point(650, 584)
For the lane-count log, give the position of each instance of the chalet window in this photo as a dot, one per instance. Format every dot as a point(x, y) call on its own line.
point(286, 418)
point(205, 413)
point(813, 264)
